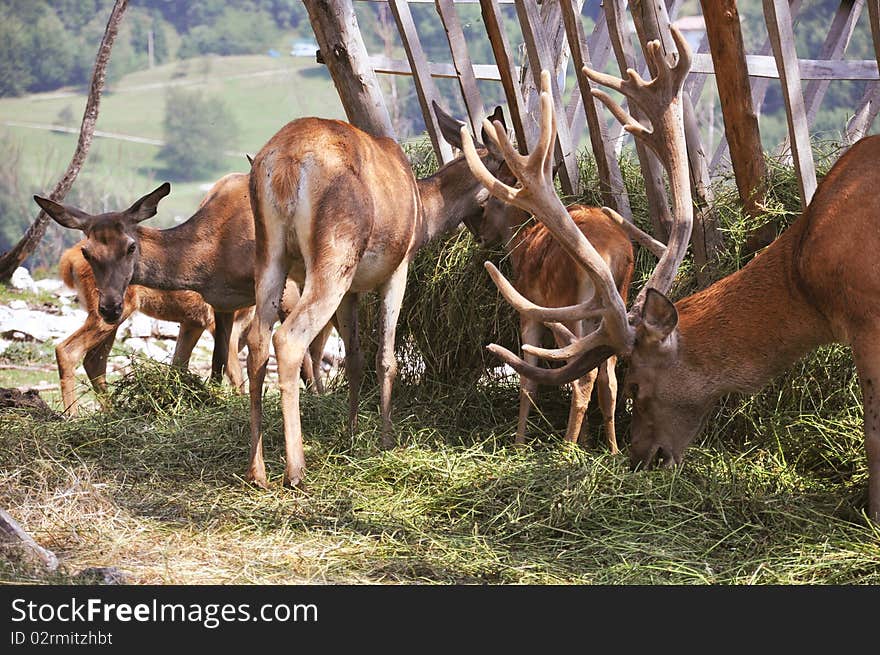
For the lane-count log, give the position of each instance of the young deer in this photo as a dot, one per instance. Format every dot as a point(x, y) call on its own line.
point(808, 288)
point(91, 343)
point(211, 253)
point(545, 273)
point(340, 212)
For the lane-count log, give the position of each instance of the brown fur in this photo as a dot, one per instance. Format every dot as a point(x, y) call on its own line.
point(339, 212)
point(818, 283)
point(95, 338)
point(547, 275)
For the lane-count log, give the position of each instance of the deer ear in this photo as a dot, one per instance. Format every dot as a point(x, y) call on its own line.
point(496, 116)
point(145, 207)
point(449, 127)
point(69, 217)
point(659, 316)
point(250, 160)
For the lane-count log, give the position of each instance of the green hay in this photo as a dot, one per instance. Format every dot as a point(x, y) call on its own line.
point(773, 492)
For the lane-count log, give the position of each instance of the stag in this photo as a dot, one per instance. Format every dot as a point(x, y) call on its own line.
point(543, 272)
point(91, 343)
point(211, 253)
point(340, 212)
point(807, 289)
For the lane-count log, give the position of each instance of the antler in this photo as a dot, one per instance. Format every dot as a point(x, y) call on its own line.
point(660, 101)
point(537, 195)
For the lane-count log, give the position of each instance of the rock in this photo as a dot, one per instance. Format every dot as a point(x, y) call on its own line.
point(21, 279)
point(49, 284)
point(102, 575)
point(17, 304)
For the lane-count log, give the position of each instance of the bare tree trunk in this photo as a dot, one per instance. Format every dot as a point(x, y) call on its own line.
point(12, 259)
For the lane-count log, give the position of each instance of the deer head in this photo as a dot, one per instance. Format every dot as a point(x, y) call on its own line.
point(112, 244)
point(665, 416)
point(488, 153)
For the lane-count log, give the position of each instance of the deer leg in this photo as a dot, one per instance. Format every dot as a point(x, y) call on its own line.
point(318, 303)
point(69, 352)
point(236, 343)
point(269, 286)
point(530, 333)
point(607, 392)
point(867, 358)
point(316, 354)
point(188, 336)
point(223, 322)
point(347, 318)
point(581, 390)
point(95, 364)
point(386, 363)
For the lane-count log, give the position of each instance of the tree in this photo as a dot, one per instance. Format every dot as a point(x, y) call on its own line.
point(15, 71)
point(198, 130)
point(12, 259)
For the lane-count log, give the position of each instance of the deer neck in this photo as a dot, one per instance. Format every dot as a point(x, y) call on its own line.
point(167, 259)
point(448, 196)
point(749, 327)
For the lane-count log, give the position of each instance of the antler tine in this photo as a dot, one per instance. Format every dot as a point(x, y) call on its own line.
point(642, 238)
point(584, 310)
point(496, 187)
point(577, 347)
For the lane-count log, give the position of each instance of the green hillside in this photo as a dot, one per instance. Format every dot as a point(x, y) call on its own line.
point(262, 92)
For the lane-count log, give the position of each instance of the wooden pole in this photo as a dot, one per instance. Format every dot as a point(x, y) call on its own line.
point(778, 19)
point(426, 90)
point(506, 70)
point(612, 188)
point(462, 61)
point(343, 52)
point(539, 54)
point(734, 90)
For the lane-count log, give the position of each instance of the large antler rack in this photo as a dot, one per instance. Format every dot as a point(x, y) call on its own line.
point(660, 101)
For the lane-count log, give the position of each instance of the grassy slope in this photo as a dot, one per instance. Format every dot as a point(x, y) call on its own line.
point(262, 92)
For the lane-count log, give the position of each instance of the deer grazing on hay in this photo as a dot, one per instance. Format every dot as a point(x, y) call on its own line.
point(547, 275)
point(211, 253)
point(91, 343)
point(340, 212)
point(806, 289)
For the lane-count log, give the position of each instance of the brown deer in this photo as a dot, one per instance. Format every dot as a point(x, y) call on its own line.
point(340, 212)
point(211, 253)
point(808, 288)
point(91, 343)
point(546, 274)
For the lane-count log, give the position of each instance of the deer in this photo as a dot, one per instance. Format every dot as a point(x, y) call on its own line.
point(340, 212)
point(91, 343)
point(806, 289)
point(211, 253)
point(543, 272)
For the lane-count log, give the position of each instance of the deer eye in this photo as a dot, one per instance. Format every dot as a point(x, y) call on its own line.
point(131, 248)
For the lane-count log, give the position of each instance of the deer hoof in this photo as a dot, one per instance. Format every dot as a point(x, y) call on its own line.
point(294, 479)
point(257, 479)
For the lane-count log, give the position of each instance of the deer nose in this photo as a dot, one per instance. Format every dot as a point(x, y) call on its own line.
point(110, 311)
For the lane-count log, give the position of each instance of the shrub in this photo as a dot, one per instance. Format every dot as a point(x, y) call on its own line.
point(198, 129)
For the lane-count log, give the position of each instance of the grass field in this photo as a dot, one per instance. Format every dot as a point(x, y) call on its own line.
point(262, 92)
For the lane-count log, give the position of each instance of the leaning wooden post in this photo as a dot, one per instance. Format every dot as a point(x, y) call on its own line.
point(652, 169)
point(506, 70)
point(611, 184)
point(652, 23)
point(778, 19)
point(426, 90)
point(343, 52)
point(740, 119)
point(461, 59)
